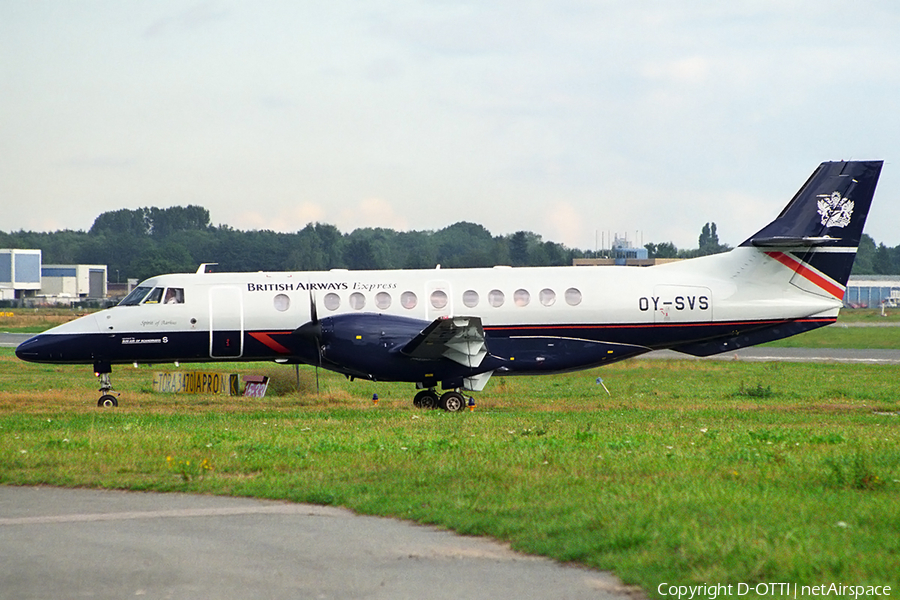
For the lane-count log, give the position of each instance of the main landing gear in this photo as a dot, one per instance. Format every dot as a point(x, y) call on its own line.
point(107, 399)
point(451, 401)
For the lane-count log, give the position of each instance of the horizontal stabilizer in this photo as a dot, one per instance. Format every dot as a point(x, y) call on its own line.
point(793, 242)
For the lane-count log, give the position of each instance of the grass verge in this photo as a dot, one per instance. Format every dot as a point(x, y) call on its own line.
point(690, 472)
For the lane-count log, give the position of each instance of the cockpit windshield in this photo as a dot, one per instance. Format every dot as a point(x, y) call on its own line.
point(153, 295)
point(135, 297)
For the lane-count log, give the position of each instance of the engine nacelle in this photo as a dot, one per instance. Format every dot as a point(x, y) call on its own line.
point(369, 345)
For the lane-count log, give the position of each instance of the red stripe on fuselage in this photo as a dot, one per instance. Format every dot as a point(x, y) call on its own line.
point(803, 271)
point(266, 338)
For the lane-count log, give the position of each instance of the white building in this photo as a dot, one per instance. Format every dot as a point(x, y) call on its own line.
point(24, 278)
point(871, 291)
point(78, 282)
point(20, 273)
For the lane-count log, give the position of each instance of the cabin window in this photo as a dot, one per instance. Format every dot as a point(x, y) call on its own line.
point(495, 298)
point(154, 297)
point(383, 300)
point(357, 301)
point(573, 297)
point(135, 297)
point(282, 302)
point(547, 297)
point(174, 296)
point(332, 301)
point(470, 298)
point(439, 299)
point(408, 300)
point(521, 297)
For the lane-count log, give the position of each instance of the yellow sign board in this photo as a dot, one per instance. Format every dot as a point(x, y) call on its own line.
point(196, 382)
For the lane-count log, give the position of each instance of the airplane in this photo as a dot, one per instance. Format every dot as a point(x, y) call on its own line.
point(455, 328)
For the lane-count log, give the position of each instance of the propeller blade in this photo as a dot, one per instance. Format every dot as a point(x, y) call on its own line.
point(313, 330)
point(313, 311)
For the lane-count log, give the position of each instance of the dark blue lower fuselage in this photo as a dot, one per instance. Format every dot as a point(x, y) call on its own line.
point(512, 349)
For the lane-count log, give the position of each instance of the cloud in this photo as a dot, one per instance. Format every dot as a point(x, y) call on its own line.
point(286, 220)
point(690, 70)
point(417, 115)
point(98, 162)
point(567, 225)
point(371, 212)
point(192, 18)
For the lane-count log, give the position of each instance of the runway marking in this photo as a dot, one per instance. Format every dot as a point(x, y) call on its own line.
point(818, 359)
point(892, 358)
point(278, 509)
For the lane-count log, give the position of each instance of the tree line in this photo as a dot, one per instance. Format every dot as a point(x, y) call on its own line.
point(140, 243)
point(143, 242)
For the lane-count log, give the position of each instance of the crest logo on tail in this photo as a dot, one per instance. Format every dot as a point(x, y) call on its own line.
point(835, 210)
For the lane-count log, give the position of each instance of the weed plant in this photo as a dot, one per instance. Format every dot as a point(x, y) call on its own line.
point(689, 472)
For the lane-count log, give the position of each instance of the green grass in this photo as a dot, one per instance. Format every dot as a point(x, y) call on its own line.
point(836, 336)
point(690, 472)
point(847, 333)
point(869, 315)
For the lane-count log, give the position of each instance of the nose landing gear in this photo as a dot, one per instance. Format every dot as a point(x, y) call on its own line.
point(107, 399)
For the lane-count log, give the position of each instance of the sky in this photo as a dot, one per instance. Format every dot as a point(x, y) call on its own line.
point(571, 119)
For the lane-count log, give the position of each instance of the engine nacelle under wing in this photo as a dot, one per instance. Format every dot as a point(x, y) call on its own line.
point(375, 346)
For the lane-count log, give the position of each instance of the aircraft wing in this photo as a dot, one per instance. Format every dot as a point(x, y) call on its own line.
point(461, 339)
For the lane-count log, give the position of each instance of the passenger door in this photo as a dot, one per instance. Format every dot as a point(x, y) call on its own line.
point(226, 322)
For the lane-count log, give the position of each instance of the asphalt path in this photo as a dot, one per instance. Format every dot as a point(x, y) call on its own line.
point(818, 355)
point(64, 543)
point(11, 340)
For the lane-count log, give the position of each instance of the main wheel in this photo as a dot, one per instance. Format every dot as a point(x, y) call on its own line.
point(107, 401)
point(453, 401)
point(425, 399)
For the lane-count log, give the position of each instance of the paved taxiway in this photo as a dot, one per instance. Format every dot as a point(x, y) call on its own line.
point(821, 355)
point(62, 543)
point(11, 340)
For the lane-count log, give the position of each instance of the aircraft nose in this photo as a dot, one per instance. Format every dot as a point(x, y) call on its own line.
point(72, 342)
point(53, 348)
point(40, 348)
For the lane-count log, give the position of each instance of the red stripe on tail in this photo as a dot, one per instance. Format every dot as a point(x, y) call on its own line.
point(802, 270)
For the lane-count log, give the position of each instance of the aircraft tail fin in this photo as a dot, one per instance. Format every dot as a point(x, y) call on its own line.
point(818, 232)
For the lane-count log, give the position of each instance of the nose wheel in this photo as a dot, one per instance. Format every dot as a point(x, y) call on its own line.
point(107, 400)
